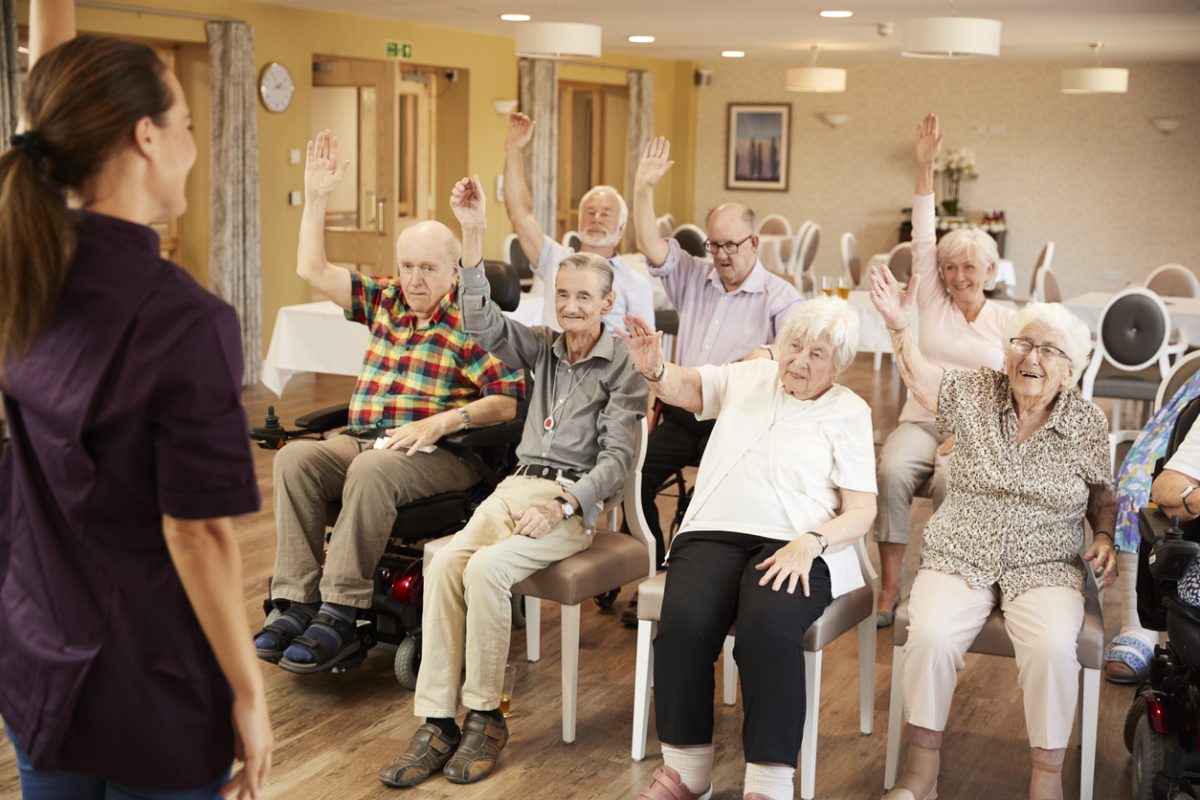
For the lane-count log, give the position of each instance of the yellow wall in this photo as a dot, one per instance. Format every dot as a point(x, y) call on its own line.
point(291, 37)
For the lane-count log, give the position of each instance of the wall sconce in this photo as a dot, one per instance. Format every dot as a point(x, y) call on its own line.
point(1165, 125)
point(504, 107)
point(834, 119)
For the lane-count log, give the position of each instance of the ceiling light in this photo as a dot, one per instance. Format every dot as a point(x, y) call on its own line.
point(515, 17)
point(558, 40)
point(837, 14)
point(1097, 79)
point(816, 79)
point(950, 37)
point(641, 39)
point(733, 53)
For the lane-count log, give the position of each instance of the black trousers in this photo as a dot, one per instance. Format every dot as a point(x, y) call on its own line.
point(678, 441)
point(711, 583)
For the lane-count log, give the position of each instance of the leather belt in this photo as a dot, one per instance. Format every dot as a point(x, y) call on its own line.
point(549, 473)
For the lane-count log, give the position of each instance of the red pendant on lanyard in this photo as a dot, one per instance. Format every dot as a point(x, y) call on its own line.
point(548, 423)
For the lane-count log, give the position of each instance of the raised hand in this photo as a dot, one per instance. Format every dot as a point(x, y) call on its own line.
point(520, 131)
point(655, 162)
point(892, 304)
point(322, 172)
point(645, 345)
point(469, 203)
point(929, 140)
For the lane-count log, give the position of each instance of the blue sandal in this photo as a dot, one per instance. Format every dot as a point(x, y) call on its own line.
point(1127, 660)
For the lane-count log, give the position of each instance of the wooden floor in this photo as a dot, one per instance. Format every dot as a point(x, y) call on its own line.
point(334, 732)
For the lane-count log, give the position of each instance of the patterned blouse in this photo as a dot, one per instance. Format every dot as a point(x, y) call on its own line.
point(1014, 512)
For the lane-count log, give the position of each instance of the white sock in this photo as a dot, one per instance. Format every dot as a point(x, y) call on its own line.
point(694, 765)
point(771, 780)
point(1127, 564)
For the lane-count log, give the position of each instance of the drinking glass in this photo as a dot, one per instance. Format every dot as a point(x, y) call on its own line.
point(506, 692)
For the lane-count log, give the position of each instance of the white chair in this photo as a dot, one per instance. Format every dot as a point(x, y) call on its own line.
point(774, 225)
point(899, 262)
point(854, 609)
point(1131, 358)
point(790, 252)
point(800, 270)
point(571, 241)
point(851, 263)
point(1045, 286)
point(1173, 280)
point(1044, 259)
point(1181, 372)
point(612, 560)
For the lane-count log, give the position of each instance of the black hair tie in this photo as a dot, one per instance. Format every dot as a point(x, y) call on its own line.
point(33, 144)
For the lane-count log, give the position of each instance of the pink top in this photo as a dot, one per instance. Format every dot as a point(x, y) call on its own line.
point(945, 337)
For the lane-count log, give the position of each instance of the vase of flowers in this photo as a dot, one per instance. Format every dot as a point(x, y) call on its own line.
point(955, 167)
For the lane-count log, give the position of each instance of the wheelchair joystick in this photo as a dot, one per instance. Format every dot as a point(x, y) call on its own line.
point(271, 436)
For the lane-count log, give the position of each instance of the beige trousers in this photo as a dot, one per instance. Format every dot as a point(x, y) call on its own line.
point(371, 484)
point(908, 458)
point(467, 614)
point(945, 614)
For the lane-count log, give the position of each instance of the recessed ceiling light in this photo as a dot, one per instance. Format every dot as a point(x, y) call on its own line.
point(733, 53)
point(515, 17)
point(641, 39)
point(834, 14)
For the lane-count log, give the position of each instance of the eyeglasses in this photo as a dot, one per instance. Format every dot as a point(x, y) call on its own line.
point(728, 247)
point(1023, 346)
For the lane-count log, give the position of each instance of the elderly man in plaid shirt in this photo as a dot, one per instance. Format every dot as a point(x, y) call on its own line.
point(422, 378)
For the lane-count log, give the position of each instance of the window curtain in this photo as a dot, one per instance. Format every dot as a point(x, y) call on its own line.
point(539, 101)
point(641, 130)
point(9, 74)
point(234, 248)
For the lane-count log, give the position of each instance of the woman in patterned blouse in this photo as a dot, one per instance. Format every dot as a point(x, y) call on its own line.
point(1031, 461)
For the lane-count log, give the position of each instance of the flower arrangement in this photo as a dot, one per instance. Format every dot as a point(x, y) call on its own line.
point(955, 167)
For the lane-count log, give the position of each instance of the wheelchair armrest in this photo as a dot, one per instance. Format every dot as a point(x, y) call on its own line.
point(325, 419)
point(504, 433)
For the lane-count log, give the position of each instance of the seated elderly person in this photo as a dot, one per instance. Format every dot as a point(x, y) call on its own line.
point(785, 488)
point(1174, 490)
point(959, 327)
point(574, 455)
point(1031, 461)
point(422, 378)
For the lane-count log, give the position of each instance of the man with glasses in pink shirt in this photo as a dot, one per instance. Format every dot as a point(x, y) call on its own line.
point(730, 307)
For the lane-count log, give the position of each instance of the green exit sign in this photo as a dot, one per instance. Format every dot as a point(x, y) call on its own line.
point(399, 50)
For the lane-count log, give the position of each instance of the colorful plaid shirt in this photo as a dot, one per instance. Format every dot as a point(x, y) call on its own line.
point(410, 373)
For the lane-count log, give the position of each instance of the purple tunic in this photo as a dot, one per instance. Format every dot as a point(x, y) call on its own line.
point(127, 408)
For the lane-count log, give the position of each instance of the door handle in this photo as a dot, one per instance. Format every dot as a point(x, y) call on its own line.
point(380, 210)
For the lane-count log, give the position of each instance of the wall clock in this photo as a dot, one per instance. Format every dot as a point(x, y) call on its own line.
point(276, 87)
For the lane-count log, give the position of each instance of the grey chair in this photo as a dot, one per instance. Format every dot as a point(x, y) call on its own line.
point(851, 262)
point(1131, 358)
point(516, 257)
point(993, 640)
point(774, 225)
point(612, 560)
point(572, 241)
point(1044, 259)
point(900, 262)
point(855, 609)
point(1045, 286)
point(691, 238)
point(1173, 280)
point(800, 269)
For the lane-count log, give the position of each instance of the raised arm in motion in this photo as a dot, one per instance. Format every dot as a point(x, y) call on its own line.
point(654, 164)
point(517, 201)
point(676, 385)
point(929, 145)
point(322, 173)
point(922, 377)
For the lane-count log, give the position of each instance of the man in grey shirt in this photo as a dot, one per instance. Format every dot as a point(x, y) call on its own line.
point(575, 454)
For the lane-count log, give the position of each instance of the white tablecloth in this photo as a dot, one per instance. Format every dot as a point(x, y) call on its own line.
point(873, 336)
point(317, 337)
point(1184, 311)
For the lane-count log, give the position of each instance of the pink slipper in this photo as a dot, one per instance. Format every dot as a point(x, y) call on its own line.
point(667, 786)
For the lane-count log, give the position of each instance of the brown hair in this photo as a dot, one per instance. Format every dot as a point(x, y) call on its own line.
point(82, 100)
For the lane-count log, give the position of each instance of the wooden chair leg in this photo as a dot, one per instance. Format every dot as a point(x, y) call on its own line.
point(895, 712)
point(866, 675)
point(644, 669)
point(570, 670)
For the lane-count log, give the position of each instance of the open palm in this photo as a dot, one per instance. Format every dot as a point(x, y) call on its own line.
point(520, 130)
point(322, 172)
point(929, 140)
point(656, 160)
point(644, 343)
point(893, 304)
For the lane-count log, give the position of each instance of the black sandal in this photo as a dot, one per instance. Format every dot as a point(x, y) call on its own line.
point(325, 653)
point(283, 635)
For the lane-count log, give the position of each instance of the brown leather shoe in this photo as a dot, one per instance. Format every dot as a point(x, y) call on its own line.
point(483, 737)
point(427, 753)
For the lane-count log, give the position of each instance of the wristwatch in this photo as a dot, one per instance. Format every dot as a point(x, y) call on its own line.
point(568, 510)
point(1183, 496)
point(820, 540)
point(466, 417)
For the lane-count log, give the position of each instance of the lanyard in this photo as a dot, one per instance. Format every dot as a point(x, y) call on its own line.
point(549, 422)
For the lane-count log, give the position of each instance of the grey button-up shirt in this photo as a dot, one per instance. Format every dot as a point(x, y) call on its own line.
point(581, 416)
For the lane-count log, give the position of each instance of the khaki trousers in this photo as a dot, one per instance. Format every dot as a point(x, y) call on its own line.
point(945, 614)
point(467, 614)
point(371, 484)
point(909, 456)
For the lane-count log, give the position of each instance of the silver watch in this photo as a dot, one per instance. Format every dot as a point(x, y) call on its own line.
point(821, 540)
point(1183, 496)
point(568, 510)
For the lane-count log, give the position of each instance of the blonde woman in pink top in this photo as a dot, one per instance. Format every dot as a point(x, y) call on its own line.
point(959, 327)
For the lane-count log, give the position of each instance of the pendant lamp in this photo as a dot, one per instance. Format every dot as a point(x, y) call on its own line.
point(816, 79)
point(1097, 79)
point(558, 40)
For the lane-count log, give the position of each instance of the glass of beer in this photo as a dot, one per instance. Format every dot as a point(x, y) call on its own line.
point(828, 284)
point(506, 692)
point(843, 288)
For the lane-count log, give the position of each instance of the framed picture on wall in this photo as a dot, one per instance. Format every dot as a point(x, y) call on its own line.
point(756, 146)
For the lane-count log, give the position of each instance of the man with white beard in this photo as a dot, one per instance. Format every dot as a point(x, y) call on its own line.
point(602, 217)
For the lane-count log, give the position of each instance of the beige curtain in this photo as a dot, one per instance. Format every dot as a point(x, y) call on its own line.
point(539, 101)
point(9, 75)
point(234, 248)
point(641, 130)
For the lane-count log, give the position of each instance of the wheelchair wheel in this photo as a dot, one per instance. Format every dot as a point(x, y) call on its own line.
point(1136, 711)
point(605, 601)
point(408, 662)
point(1149, 749)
